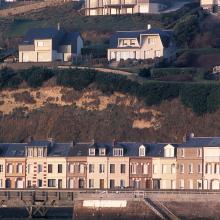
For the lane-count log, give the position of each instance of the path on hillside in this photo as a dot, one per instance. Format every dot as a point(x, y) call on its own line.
point(28, 7)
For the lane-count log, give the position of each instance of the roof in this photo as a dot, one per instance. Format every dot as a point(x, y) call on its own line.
point(130, 148)
point(59, 37)
point(165, 35)
point(40, 143)
point(40, 33)
point(13, 149)
point(201, 142)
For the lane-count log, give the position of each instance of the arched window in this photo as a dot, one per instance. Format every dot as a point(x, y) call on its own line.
point(142, 151)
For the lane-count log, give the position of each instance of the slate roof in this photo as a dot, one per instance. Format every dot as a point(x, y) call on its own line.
point(13, 149)
point(59, 37)
point(40, 143)
point(130, 148)
point(202, 142)
point(165, 35)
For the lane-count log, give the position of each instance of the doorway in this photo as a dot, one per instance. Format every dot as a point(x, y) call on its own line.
point(60, 184)
point(102, 184)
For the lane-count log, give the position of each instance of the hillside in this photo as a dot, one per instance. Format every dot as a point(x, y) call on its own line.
point(82, 105)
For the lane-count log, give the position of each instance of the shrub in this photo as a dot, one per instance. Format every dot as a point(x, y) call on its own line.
point(145, 72)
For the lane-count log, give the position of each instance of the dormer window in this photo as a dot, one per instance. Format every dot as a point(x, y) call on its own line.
point(91, 151)
point(142, 151)
point(102, 151)
point(169, 151)
point(118, 152)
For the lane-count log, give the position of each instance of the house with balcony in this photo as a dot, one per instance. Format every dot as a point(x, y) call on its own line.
point(49, 45)
point(144, 44)
point(114, 7)
point(211, 5)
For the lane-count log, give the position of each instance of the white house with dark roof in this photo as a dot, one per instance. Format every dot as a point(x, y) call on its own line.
point(49, 44)
point(144, 44)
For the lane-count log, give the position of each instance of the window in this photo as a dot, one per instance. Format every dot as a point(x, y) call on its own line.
point(50, 168)
point(118, 152)
point(40, 152)
point(181, 184)
point(123, 168)
point(91, 168)
point(216, 168)
point(101, 168)
point(19, 168)
point(39, 183)
point(208, 168)
point(91, 183)
point(29, 168)
point(164, 168)
point(181, 168)
point(133, 168)
point(142, 151)
point(157, 53)
point(91, 151)
point(9, 168)
point(81, 168)
point(122, 183)
point(102, 152)
point(29, 183)
point(60, 168)
point(145, 168)
point(112, 168)
point(199, 152)
point(112, 184)
point(1, 168)
point(155, 168)
point(199, 168)
point(190, 184)
point(51, 183)
point(191, 168)
point(132, 42)
point(39, 168)
point(1, 185)
point(151, 41)
point(181, 152)
point(71, 168)
point(30, 152)
point(173, 168)
point(40, 43)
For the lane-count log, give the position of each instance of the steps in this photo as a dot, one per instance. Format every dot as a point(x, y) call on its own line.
point(160, 210)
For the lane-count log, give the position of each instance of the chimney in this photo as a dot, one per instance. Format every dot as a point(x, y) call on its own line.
point(148, 26)
point(52, 141)
point(58, 26)
point(113, 142)
point(93, 141)
point(30, 139)
point(72, 143)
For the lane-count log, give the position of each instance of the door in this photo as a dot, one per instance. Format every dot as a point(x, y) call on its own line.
point(8, 183)
point(59, 184)
point(148, 184)
point(102, 184)
point(156, 184)
point(19, 184)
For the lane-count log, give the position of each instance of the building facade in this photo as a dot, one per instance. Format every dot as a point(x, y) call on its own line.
point(145, 44)
point(193, 164)
point(114, 7)
point(211, 5)
point(49, 44)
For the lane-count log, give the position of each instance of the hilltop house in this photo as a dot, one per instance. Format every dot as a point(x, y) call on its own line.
point(144, 44)
point(113, 7)
point(211, 5)
point(50, 44)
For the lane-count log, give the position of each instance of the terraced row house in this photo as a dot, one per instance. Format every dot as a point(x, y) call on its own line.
point(193, 164)
point(211, 5)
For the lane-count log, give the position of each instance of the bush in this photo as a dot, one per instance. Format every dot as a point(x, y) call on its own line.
point(35, 76)
point(145, 72)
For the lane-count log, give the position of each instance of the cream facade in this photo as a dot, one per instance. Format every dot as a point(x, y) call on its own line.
point(149, 44)
point(48, 45)
point(211, 5)
point(164, 169)
point(2, 173)
point(211, 168)
point(56, 172)
point(114, 7)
